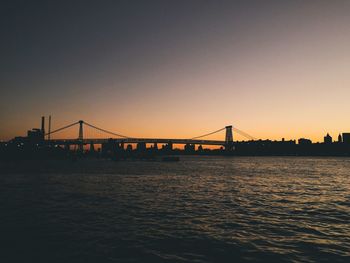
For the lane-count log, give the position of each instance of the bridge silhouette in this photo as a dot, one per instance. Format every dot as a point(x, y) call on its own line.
point(120, 139)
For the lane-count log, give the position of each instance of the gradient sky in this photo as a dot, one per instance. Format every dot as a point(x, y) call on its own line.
point(177, 68)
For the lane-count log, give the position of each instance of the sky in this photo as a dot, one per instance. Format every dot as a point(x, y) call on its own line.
point(177, 69)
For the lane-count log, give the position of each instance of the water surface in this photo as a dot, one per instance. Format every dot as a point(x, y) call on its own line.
point(202, 209)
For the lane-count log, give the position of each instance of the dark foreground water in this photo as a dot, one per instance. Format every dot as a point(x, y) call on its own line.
point(202, 209)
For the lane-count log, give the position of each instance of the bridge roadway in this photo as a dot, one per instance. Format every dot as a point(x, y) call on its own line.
point(136, 140)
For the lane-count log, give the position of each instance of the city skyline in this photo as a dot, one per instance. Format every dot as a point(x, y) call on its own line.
point(42, 142)
point(70, 132)
point(276, 70)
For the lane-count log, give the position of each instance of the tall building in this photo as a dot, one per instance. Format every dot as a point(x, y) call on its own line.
point(340, 138)
point(346, 137)
point(327, 139)
point(303, 141)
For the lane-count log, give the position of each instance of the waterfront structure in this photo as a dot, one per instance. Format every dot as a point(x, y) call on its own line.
point(303, 141)
point(37, 144)
point(346, 137)
point(327, 139)
point(340, 139)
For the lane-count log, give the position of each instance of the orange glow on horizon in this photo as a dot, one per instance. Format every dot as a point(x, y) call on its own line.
point(180, 132)
point(283, 73)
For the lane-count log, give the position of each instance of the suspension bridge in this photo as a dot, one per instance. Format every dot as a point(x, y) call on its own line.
point(120, 139)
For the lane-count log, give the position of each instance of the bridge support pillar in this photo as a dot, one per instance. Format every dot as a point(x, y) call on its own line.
point(67, 147)
point(169, 146)
point(81, 137)
point(92, 147)
point(229, 138)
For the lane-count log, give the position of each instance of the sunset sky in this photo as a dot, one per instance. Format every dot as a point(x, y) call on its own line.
point(177, 68)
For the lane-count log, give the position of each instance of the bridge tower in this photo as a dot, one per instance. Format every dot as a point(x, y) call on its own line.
point(81, 136)
point(229, 138)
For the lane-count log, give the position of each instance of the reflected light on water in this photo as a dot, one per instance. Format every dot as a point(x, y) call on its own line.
point(204, 209)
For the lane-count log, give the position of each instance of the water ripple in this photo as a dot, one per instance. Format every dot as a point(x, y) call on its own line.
point(202, 209)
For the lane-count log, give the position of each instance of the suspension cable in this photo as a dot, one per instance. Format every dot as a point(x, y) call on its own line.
point(197, 137)
point(60, 129)
point(123, 136)
point(244, 134)
point(103, 130)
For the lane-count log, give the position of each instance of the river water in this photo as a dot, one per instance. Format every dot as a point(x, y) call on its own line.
point(201, 209)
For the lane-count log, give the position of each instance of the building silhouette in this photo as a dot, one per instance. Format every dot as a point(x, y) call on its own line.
point(346, 137)
point(340, 140)
point(34, 146)
point(327, 139)
point(303, 141)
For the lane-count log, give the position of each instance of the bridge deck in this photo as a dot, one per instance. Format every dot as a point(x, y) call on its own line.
point(138, 140)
